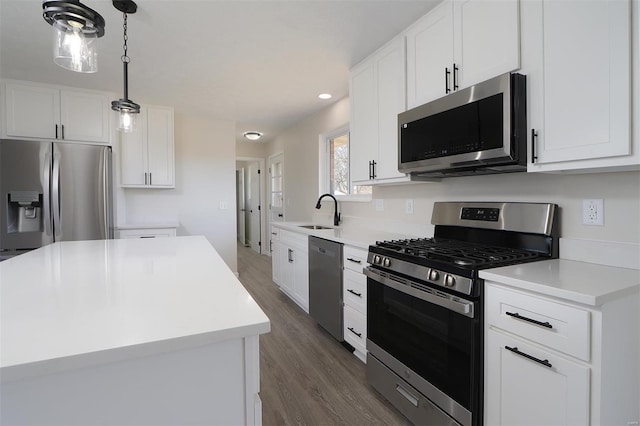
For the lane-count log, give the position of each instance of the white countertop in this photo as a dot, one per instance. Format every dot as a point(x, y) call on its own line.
point(357, 237)
point(74, 304)
point(578, 282)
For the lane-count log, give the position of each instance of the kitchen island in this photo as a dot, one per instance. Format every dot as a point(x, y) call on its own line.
point(136, 331)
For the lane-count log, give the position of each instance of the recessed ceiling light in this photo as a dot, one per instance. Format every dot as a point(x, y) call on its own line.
point(252, 135)
point(324, 96)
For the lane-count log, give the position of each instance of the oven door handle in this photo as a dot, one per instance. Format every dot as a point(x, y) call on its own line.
point(461, 307)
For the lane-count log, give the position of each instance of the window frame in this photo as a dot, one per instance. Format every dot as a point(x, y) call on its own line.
point(324, 167)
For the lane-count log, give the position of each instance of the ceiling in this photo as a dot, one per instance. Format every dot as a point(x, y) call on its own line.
point(261, 63)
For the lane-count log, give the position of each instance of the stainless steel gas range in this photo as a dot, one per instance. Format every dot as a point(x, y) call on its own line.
point(425, 304)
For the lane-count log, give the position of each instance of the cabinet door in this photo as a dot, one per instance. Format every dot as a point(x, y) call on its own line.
point(160, 146)
point(486, 39)
point(430, 56)
point(578, 56)
point(390, 67)
point(31, 111)
point(363, 136)
point(276, 262)
point(133, 153)
point(301, 281)
point(85, 116)
point(521, 391)
point(287, 271)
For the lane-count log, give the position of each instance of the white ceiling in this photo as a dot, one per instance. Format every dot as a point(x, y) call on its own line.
point(259, 63)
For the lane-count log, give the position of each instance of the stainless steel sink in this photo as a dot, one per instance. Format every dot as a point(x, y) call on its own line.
point(314, 227)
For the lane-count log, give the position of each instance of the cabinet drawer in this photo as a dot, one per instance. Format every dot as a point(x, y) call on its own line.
point(355, 329)
point(293, 238)
point(354, 258)
point(355, 290)
point(147, 233)
point(556, 325)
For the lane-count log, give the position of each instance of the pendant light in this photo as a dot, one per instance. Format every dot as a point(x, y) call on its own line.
point(76, 29)
point(126, 107)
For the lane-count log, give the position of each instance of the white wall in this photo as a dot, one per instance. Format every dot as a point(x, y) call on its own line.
point(205, 177)
point(300, 147)
point(620, 191)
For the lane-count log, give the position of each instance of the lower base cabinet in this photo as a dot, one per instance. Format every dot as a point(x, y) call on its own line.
point(146, 233)
point(530, 386)
point(354, 295)
point(293, 266)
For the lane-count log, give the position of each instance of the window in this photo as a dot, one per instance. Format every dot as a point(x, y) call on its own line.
point(334, 167)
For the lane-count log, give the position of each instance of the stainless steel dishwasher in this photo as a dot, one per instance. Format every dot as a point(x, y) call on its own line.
point(325, 285)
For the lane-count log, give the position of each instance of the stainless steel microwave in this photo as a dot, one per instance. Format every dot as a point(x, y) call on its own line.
point(477, 130)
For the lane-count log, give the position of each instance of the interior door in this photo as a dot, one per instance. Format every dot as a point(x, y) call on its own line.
point(253, 205)
point(241, 205)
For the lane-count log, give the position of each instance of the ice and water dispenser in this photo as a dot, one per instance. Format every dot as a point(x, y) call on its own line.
point(24, 211)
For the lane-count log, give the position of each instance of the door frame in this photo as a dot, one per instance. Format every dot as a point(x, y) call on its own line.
point(264, 247)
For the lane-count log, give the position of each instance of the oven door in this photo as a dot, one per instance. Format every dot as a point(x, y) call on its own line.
point(430, 339)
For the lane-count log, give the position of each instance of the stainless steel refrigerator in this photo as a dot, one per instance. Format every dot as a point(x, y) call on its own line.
point(53, 191)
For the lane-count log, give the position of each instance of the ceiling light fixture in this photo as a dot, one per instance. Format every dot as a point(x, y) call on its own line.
point(252, 135)
point(76, 28)
point(324, 96)
point(127, 108)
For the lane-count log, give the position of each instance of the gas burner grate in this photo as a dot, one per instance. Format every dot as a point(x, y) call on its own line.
point(459, 253)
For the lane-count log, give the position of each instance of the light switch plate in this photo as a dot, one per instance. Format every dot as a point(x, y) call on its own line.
point(379, 205)
point(409, 207)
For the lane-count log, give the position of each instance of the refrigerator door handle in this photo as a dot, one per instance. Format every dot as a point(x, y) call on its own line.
point(55, 195)
point(46, 194)
point(104, 196)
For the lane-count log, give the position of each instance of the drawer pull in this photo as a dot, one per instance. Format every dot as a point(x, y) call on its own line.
point(354, 260)
point(520, 317)
point(353, 292)
point(402, 391)
point(354, 332)
point(147, 236)
point(515, 350)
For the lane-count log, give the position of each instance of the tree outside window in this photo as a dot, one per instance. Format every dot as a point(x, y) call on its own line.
point(339, 179)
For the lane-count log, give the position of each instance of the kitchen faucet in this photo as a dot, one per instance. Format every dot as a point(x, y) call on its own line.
point(336, 215)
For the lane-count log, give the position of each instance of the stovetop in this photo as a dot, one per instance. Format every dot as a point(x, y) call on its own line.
point(458, 254)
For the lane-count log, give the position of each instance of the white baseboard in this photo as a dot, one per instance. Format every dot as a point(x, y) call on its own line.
point(610, 253)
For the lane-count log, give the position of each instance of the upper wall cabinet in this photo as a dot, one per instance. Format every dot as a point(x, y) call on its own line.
point(577, 56)
point(377, 94)
point(147, 153)
point(46, 112)
point(461, 43)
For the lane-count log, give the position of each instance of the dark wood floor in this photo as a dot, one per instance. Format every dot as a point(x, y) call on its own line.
point(306, 377)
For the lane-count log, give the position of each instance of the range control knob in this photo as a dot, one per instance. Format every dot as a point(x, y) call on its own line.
point(377, 259)
point(434, 275)
point(449, 281)
point(386, 262)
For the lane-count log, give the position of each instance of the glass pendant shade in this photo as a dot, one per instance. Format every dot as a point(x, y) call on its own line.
point(75, 51)
point(126, 121)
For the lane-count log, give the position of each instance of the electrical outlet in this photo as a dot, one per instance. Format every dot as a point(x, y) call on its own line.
point(379, 205)
point(409, 207)
point(593, 212)
point(224, 205)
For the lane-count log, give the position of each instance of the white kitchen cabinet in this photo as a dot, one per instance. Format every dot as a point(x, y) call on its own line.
point(577, 57)
point(147, 153)
point(377, 94)
point(545, 390)
point(553, 361)
point(146, 232)
point(294, 267)
point(461, 43)
point(274, 248)
point(47, 112)
point(354, 296)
